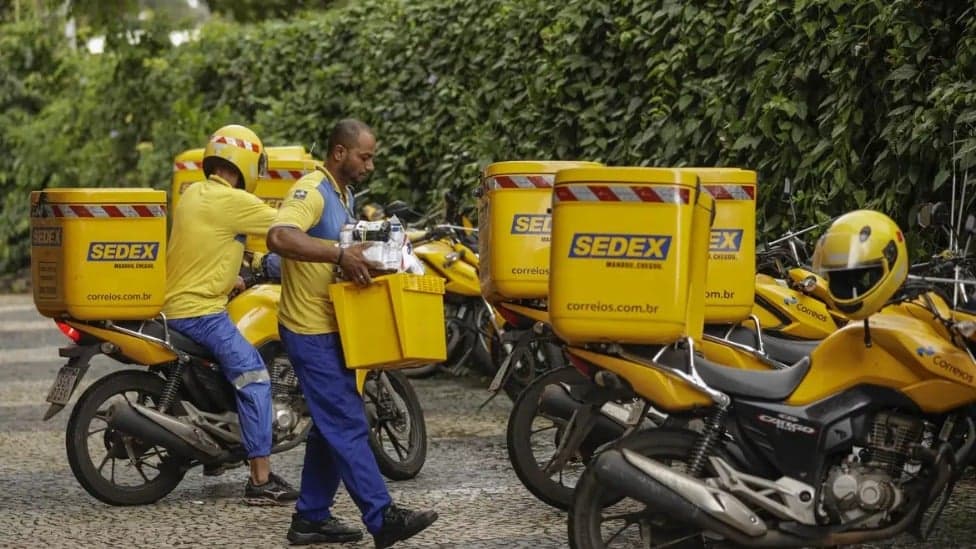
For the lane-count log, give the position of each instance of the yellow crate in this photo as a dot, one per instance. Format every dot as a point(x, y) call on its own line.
point(627, 257)
point(730, 288)
point(395, 322)
point(285, 166)
point(514, 226)
point(98, 254)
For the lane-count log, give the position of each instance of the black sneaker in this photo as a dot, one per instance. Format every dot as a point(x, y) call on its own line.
point(400, 524)
point(218, 469)
point(274, 492)
point(330, 530)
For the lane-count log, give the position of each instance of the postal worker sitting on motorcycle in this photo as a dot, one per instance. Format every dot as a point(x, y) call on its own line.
point(306, 235)
point(206, 247)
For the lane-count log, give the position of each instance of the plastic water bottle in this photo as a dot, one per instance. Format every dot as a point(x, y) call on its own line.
point(396, 231)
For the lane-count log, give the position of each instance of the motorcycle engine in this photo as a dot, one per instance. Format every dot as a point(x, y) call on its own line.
point(286, 397)
point(866, 487)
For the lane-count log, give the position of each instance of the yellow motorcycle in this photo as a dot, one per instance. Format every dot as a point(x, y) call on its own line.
point(859, 442)
point(450, 252)
point(133, 434)
point(561, 418)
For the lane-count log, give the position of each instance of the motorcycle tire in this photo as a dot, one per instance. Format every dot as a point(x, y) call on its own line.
point(519, 439)
point(147, 388)
point(396, 415)
point(540, 357)
point(591, 497)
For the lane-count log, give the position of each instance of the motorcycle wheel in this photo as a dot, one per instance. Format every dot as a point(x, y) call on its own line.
point(483, 331)
point(627, 522)
point(110, 476)
point(532, 439)
point(537, 359)
point(397, 430)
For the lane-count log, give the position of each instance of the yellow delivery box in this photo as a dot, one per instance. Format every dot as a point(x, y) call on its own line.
point(629, 255)
point(514, 226)
point(285, 166)
point(98, 254)
point(731, 283)
point(395, 322)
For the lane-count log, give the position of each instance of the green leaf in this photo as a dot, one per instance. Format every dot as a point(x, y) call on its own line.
point(903, 72)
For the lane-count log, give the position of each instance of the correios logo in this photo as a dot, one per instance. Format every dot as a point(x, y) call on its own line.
point(725, 240)
point(123, 251)
point(531, 224)
point(46, 236)
point(792, 300)
point(643, 247)
point(944, 364)
point(925, 351)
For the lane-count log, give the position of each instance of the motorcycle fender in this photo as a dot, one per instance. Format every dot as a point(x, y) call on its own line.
point(69, 376)
point(255, 312)
point(537, 315)
point(361, 380)
point(135, 349)
point(666, 392)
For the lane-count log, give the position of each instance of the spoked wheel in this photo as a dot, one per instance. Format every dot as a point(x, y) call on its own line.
point(530, 362)
point(628, 523)
point(397, 430)
point(115, 467)
point(533, 438)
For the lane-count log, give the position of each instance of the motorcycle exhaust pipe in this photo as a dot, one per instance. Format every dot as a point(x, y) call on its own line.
point(555, 401)
point(134, 420)
point(691, 501)
point(679, 496)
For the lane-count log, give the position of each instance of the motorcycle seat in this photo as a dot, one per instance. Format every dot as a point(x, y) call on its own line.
point(780, 349)
point(761, 384)
point(154, 328)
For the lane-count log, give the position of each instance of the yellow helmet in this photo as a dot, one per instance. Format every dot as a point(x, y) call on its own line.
point(240, 147)
point(864, 259)
point(372, 212)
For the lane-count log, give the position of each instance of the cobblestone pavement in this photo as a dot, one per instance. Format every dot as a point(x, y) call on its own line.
point(467, 478)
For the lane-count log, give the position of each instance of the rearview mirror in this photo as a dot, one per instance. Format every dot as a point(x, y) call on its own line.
point(940, 215)
point(402, 210)
point(933, 215)
point(924, 216)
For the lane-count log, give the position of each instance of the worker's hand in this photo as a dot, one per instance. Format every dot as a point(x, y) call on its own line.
point(355, 266)
point(240, 286)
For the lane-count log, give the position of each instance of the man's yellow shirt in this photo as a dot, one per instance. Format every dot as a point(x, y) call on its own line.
point(206, 245)
point(313, 205)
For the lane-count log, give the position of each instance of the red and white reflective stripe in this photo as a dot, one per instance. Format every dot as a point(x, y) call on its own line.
point(622, 193)
point(731, 192)
point(104, 210)
point(240, 143)
point(286, 174)
point(539, 181)
point(182, 166)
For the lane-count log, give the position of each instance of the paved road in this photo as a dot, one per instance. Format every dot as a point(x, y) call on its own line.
point(467, 477)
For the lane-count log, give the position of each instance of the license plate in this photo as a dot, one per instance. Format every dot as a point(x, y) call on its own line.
point(64, 385)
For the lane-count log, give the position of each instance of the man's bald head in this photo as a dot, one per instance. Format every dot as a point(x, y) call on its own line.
point(346, 133)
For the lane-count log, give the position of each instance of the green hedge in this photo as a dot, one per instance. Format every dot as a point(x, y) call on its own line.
point(860, 104)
